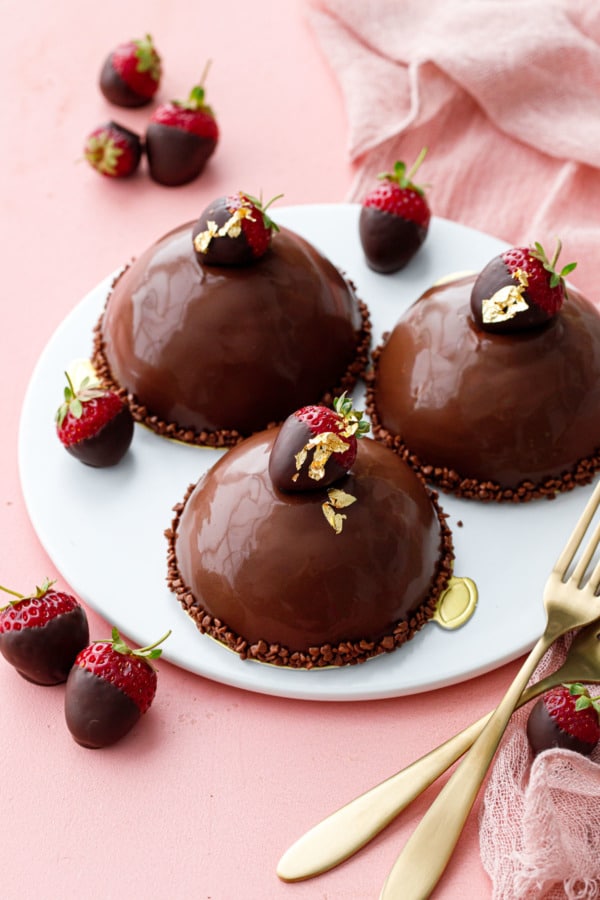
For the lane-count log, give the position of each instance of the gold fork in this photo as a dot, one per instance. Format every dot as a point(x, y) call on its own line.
point(569, 602)
point(349, 828)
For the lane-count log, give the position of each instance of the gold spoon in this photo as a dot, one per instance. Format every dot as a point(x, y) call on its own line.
point(347, 830)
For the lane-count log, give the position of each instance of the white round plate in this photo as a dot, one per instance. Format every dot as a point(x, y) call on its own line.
point(104, 528)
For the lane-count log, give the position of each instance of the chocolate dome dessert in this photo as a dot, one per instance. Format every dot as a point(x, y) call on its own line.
point(207, 352)
point(493, 392)
point(327, 576)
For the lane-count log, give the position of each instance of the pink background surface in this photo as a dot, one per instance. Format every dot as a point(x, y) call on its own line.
point(201, 799)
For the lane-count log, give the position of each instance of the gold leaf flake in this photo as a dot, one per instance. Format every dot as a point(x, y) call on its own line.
point(203, 239)
point(340, 499)
point(336, 520)
point(324, 445)
point(504, 304)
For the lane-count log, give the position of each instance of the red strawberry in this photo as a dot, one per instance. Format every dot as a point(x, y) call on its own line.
point(180, 138)
point(131, 74)
point(40, 635)
point(316, 446)
point(565, 717)
point(519, 289)
point(94, 424)
point(113, 150)
point(109, 687)
point(233, 231)
point(394, 219)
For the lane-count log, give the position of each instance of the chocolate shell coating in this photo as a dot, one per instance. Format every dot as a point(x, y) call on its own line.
point(389, 242)
point(97, 713)
point(210, 348)
point(495, 408)
point(176, 156)
point(109, 445)
point(45, 653)
point(268, 565)
point(118, 91)
point(543, 733)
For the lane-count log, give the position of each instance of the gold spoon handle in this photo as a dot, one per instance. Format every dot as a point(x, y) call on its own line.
point(427, 852)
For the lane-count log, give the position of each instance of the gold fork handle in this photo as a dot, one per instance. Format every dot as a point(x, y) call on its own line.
point(427, 852)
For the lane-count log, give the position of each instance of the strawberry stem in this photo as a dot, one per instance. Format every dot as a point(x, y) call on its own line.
point(13, 593)
point(416, 164)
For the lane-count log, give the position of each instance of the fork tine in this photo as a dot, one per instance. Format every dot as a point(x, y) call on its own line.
point(567, 555)
point(586, 557)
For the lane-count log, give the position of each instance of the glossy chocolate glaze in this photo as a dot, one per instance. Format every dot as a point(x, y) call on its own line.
point(388, 241)
point(97, 713)
point(506, 408)
point(543, 733)
point(45, 653)
point(176, 156)
point(117, 91)
point(108, 446)
point(270, 566)
point(210, 347)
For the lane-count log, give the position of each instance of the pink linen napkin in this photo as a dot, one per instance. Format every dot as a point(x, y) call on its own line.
point(505, 95)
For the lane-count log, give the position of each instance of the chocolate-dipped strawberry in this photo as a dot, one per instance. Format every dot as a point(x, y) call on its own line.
point(394, 219)
point(113, 150)
point(180, 138)
point(233, 231)
point(519, 289)
point(41, 634)
point(316, 446)
point(131, 73)
point(94, 424)
point(565, 717)
point(109, 687)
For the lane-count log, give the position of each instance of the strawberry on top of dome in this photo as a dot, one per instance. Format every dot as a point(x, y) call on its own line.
point(520, 289)
point(234, 230)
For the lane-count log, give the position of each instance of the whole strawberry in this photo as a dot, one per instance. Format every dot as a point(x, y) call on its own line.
point(565, 717)
point(41, 634)
point(131, 73)
point(519, 289)
point(233, 231)
point(180, 138)
point(94, 424)
point(316, 446)
point(113, 150)
point(109, 687)
point(394, 219)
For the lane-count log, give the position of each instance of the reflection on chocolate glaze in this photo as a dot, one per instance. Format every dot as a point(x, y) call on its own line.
point(226, 348)
point(498, 407)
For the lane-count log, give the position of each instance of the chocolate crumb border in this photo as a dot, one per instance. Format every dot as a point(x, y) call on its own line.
point(222, 437)
point(318, 657)
point(451, 482)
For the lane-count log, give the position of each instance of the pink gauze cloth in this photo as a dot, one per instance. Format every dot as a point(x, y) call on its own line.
point(539, 828)
point(505, 95)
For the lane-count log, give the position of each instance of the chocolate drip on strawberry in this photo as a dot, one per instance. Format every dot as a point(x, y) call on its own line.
point(316, 446)
point(566, 717)
point(519, 289)
point(180, 138)
point(41, 634)
point(233, 231)
point(109, 687)
point(94, 424)
point(130, 75)
point(394, 219)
